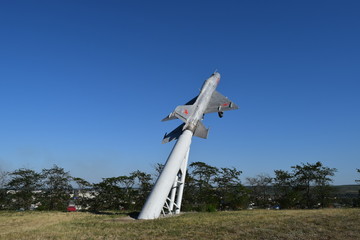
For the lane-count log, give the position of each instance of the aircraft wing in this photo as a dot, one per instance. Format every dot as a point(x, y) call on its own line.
point(220, 103)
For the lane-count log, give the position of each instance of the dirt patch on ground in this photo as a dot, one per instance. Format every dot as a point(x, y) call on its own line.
point(121, 219)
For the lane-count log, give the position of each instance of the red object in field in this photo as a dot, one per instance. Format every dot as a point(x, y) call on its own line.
point(71, 209)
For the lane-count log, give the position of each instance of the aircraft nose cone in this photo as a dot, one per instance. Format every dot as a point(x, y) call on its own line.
point(217, 75)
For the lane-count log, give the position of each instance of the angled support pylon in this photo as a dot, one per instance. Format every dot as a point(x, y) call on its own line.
point(182, 180)
point(173, 202)
point(176, 162)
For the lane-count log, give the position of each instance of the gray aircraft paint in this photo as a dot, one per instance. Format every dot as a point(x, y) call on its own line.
point(208, 101)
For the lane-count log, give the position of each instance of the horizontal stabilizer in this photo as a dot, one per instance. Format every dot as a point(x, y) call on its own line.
point(172, 115)
point(184, 111)
point(201, 131)
point(175, 134)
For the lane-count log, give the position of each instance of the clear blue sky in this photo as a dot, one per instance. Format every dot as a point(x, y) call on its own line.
point(84, 84)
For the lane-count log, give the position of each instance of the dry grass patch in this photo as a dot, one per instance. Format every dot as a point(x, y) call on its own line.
point(258, 224)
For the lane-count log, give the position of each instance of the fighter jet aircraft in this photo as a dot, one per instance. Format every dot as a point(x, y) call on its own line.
point(208, 101)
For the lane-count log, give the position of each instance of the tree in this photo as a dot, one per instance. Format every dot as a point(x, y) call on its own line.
point(158, 169)
point(204, 176)
point(357, 201)
point(116, 193)
point(25, 183)
point(3, 178)
point(284, 189)
point(260, 189)
point(3, 191)
point(58, 187)
point(313, 180)
point(190, 193)
point(106, 195)
point(127, 192)
point(231, 193)
point(82, 193)
point(143, 184)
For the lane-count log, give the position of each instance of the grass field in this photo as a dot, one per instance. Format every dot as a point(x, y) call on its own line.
point(247, 224)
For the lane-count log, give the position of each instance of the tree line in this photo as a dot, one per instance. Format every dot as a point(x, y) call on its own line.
point(207, 188)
